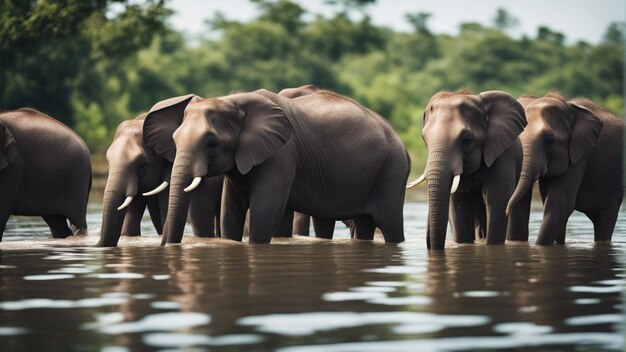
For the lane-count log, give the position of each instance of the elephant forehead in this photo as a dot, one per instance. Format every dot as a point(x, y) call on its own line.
point(124, 148)
point(462, 104)
point(548, 111)
point(208, 107)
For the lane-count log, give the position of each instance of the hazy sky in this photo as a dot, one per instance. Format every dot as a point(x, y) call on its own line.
point(577, 19)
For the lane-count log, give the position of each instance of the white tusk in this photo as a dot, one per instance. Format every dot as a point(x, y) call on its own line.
point(159, 189)
point(417, 182)
point(194, 184)
point(126, 202)
point(455, 183)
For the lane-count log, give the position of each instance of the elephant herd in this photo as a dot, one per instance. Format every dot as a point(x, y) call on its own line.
point(260, 164)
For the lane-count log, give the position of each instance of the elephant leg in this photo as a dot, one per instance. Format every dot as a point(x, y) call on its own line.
point(132, 220)
point(4, 217)
point(267, 206)
point(462, 217)
point(301, 224)
point(497, 189)
point(480, 224)
point(560, 239)
point(234, 209)
point(604, 224)
point(285, 229)
point(201, 211)
point(517, 228)
point(58, 225)
point(324, 228)
point(557, 208)
point(363, 227)
point(163, 201)
point(155, 214)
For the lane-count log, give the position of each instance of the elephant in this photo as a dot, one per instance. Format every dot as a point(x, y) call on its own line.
point(323, 228)
point(321, 154)
point(45, 170)
point(138, 177)
point(574, 149)
point(474, 162)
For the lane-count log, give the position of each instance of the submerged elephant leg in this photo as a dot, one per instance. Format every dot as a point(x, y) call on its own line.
point(324, 228)
point(233, 213)
point(462, 217)
point(132, 220)
point(604, 224)
point(155, 214)
point(517, 228)
point(558, 206)
point(363, 227)
point(201, 211)
point(58, 226)
point(285, 229)
point(301, 224)
point(498, 188)
point(4, 217)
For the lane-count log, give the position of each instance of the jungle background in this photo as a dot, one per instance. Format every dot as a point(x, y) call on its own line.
point(94, 63)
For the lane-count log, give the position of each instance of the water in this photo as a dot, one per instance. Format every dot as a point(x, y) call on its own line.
point(310, 295)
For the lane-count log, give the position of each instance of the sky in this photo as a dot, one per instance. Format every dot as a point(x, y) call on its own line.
point(578, 19)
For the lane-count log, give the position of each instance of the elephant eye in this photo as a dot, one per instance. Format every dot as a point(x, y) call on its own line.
point(549, 139)
point(142, 163)
point(212, 142)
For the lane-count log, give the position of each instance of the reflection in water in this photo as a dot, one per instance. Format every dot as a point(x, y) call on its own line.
point(308, 295)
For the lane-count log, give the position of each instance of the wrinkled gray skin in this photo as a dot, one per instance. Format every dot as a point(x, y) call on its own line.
point(135, 169)
point(323, 228)
point(45, 170)
point(574, 148)
point(476, 137)
point(320, 154)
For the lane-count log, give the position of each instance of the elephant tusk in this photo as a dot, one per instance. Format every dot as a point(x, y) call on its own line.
point(126, 203)
point(194, 184)
point(417, 182)
point(159, 189)
point(455, 183)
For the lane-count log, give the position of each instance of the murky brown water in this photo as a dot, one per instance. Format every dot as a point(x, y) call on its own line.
point(310, 295)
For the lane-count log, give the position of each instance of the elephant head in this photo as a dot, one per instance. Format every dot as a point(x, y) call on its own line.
point(212, 137)
point(464, 133)
point(132, 169)
point(559, 134)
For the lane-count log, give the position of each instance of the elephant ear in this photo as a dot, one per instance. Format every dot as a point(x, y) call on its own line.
point(586, 127)
point(505, 121)
point(264, 130)
point(161, 122)
point(8, 148)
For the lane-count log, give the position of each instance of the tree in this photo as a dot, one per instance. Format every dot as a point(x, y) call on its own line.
point(419, 21)
point(51, 48)
point(504, 21)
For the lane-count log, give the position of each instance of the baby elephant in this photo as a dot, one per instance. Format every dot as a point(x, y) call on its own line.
point(574, 148)
point(45, 171)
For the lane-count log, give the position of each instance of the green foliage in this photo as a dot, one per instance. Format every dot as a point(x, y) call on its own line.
point(95, 63)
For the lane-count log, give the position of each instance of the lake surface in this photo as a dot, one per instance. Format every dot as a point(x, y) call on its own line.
point(304, 294)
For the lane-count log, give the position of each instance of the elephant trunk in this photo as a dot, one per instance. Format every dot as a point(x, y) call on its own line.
point(120, 184)
point(178, 203)
point(530, 172)
point(439, 186)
